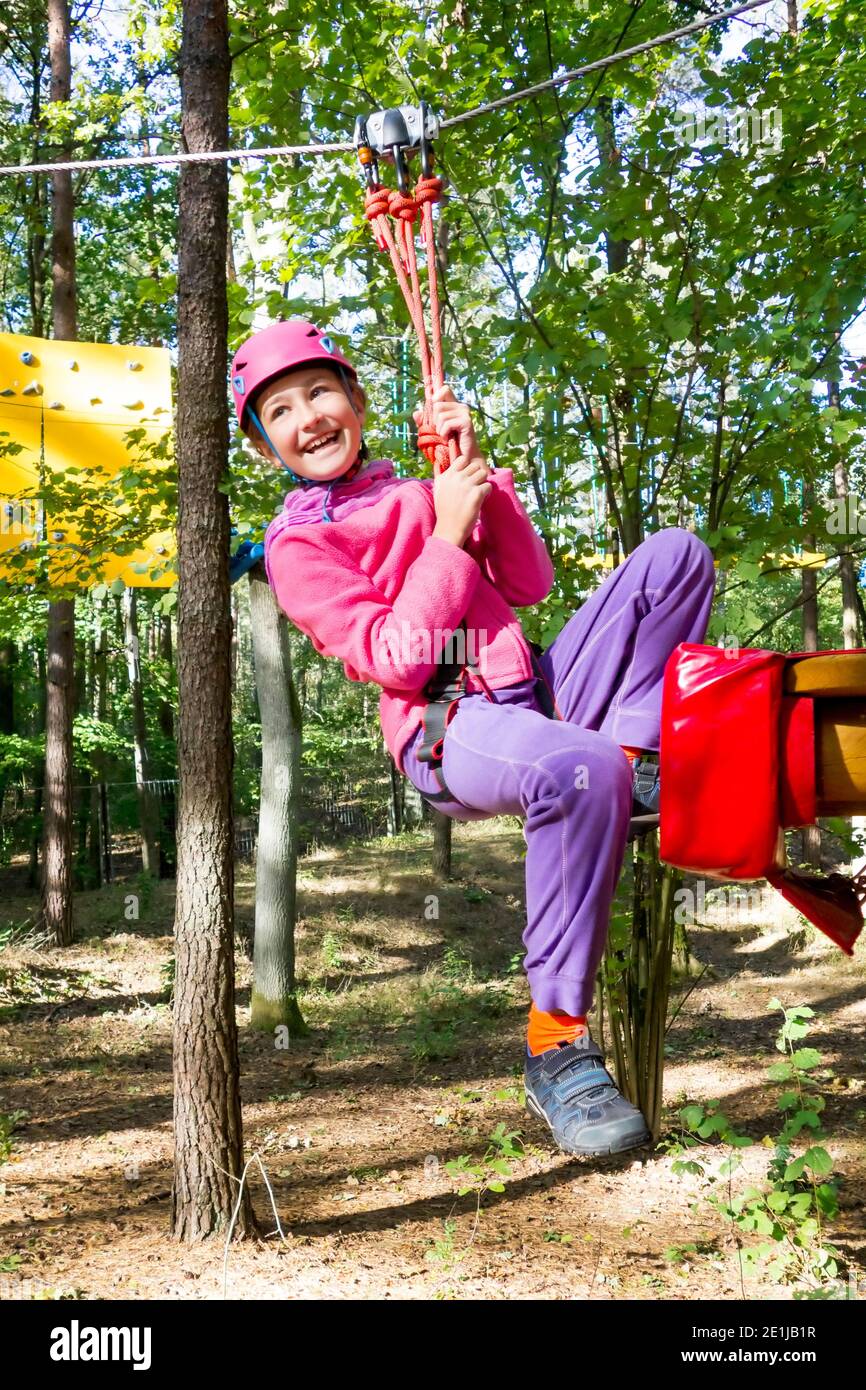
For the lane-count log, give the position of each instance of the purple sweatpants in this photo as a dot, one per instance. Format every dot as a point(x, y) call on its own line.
point(568, 779)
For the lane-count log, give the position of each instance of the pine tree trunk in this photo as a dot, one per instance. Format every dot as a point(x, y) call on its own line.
point(57, 911)
point(57, 796)
point(208, 1129)
point(273, 996)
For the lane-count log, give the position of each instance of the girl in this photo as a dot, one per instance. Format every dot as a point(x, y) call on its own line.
point(380, 571)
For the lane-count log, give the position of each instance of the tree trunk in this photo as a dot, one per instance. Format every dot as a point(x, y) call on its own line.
point(441, 843)
point(100, 706)
point(35, 202)
point(626, 512)
point(396, 782)
point(146, 807)
point(8, 659)
point(59, 710)
point(57, 824)
point(811, 833)
point(847, 565)
point(167, 801)
point(33, 879)
point(208, 1129)
point(86, 873)
point(273, 996)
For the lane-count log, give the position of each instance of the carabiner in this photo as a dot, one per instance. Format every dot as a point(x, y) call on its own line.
point(424, 145)
point(366, 155)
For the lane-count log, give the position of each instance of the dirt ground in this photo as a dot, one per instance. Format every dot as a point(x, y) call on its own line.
point(414, 1059)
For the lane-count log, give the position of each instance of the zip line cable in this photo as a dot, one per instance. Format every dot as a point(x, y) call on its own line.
point(347, 147)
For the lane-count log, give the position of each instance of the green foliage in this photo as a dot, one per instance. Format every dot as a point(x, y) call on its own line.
point(788, 1210)
point(644, 325)
point(9, 1122)
point(167, 975)
point(504, 1149)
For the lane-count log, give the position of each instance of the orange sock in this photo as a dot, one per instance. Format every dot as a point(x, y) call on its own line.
point(631, 753)
point(547, 1030)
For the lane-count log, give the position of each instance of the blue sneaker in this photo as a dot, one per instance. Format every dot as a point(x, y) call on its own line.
point(645, 782)
point(645, 800)
point(569, 1088)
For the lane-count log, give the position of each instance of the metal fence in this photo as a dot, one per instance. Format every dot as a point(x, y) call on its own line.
point(106, 826)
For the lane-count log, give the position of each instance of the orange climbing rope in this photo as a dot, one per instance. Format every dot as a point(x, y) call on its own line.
point(381, 205)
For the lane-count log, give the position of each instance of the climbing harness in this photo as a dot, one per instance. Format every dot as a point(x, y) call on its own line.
point(443, 693)
point(396, 135)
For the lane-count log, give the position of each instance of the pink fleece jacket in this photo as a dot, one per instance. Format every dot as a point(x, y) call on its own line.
point(376, 589)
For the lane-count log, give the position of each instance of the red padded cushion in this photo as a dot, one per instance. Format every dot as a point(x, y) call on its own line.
point(719, 757)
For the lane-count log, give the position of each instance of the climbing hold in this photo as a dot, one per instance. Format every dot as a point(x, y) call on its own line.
point(72, 364)
point(55, 405)
point(32, 389)
point(161, 550)
point(7, 391)
point(133, 405)
point(57, 535)
point(134, 366)
point(27, 358)
point(96, 400)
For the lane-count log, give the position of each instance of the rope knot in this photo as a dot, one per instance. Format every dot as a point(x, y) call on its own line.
point(376, 203)
point(376, 206)
point(433, 447)
point(428, 190)
point(402, 206)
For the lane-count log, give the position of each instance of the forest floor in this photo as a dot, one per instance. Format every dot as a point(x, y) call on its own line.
point(414, 1060)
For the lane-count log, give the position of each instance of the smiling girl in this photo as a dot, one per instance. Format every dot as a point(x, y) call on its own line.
point(366, 564)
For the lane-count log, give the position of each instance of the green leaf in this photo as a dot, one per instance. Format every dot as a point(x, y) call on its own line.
point(819, 1161)
point(806, 1058)
point(692, 1116)
point(801, 1205)
point(780, 1071)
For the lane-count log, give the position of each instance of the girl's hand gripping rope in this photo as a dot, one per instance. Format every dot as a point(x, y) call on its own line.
point(452, 420)
point(460, 491)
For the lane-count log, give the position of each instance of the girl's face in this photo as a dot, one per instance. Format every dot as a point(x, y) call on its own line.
point(311, 422)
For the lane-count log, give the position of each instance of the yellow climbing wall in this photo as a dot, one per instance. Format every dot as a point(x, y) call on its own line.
point(79, 402)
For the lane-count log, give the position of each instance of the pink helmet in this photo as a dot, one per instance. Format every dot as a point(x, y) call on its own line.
point(266, 355)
